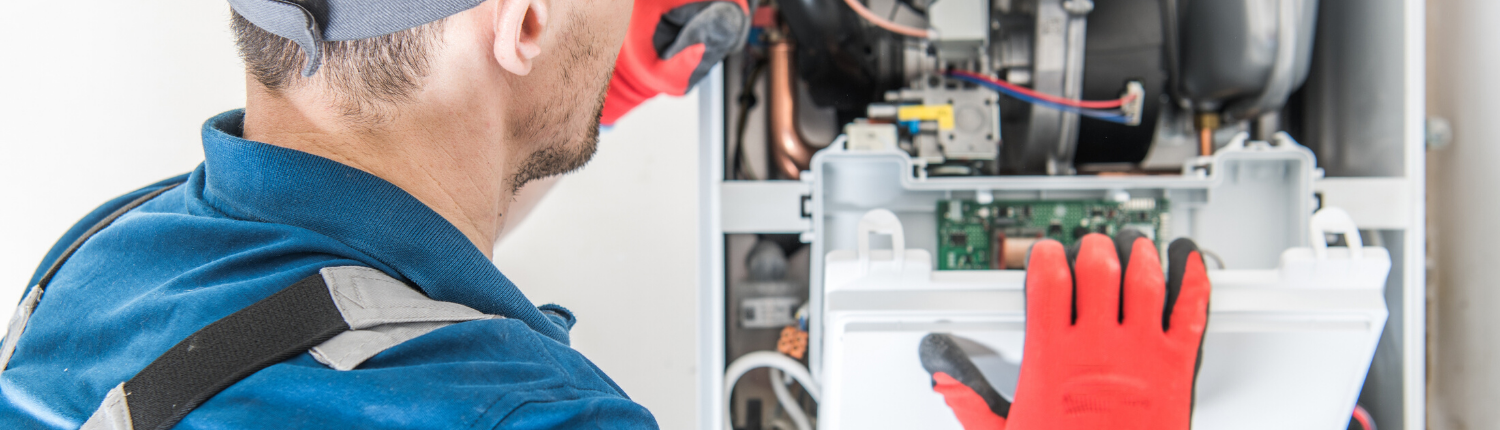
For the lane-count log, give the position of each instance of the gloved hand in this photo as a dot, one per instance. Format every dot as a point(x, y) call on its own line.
point(1103, 360)
point(971, 397)
point(670, 46)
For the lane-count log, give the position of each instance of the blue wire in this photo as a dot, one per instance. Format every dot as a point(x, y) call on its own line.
point(1111, 116)
point(1022, 96)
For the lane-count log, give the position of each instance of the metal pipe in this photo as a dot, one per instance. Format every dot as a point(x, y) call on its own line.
point(1206, 142)
point(789, 151)
point(1206, 122)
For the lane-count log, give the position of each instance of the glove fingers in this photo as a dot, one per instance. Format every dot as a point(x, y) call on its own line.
point(1125, 246)
point(967, 405)
point(669, 47)
point(715, 27)
point(941, 355)
point(1143, 284)
point(632, 85)
point(1097, 272)
point(1186, 312)
point(1049, 288)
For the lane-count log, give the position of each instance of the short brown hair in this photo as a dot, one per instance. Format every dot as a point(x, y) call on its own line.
point(364, 74)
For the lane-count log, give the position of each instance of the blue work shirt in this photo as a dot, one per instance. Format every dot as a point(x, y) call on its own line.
point(253, 219)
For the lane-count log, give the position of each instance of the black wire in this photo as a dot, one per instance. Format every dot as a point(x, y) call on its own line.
point(747, 101)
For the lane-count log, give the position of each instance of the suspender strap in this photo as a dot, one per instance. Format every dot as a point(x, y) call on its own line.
point(270, 331)
point(342, 315)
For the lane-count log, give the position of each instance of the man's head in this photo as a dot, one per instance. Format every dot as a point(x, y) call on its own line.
point(520, 80)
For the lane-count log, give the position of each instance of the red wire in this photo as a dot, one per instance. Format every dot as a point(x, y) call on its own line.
point(1363, 416)
point(1086, 104)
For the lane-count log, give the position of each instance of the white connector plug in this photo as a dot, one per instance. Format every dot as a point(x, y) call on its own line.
point(1132, 108)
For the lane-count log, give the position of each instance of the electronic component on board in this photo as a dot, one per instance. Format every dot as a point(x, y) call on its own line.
point(995, 235)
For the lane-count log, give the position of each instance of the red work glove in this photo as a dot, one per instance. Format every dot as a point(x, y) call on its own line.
point(671, 45)
point(1087, 365)
point(976, 403)
point(1099, 360)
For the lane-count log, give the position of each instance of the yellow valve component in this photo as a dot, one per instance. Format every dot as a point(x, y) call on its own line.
point(943, 114)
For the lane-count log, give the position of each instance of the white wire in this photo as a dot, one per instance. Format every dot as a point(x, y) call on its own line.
point(759, 359)
point(1213, 256)
point(784, 397)
point(888, 25)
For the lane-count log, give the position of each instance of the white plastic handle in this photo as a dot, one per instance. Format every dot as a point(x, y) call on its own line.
point(1334, 220)
point(881, 221)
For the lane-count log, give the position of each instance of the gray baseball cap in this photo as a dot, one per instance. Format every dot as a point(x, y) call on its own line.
point(309, 22)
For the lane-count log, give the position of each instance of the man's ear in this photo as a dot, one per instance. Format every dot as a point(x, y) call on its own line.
point(519, 26)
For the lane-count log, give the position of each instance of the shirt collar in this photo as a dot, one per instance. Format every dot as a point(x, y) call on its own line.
point(261, 182)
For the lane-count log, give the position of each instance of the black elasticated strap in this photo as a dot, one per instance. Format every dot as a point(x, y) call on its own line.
point(272, 330)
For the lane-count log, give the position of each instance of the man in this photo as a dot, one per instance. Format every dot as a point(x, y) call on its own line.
point(327, 266)
point(381, 146)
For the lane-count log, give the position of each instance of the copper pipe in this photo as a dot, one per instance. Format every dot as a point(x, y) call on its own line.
point(1206, 142)
point(1206, 123)
point(788, 149)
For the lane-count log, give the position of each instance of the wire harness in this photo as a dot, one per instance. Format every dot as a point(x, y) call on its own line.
point(1124, 110)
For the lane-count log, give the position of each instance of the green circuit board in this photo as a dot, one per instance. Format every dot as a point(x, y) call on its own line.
point(970, 233)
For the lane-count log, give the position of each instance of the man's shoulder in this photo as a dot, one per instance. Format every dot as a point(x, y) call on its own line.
point(128, 292)
point(94, 217)
point(174, 265)
point(476, 374)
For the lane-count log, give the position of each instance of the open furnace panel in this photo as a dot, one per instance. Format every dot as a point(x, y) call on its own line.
point(985, 125)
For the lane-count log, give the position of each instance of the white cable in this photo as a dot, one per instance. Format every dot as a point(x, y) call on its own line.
point(759, 359)
point(784, 397)
point(893, 27)
point(1211, 255)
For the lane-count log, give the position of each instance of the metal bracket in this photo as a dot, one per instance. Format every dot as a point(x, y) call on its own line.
point(765, 206)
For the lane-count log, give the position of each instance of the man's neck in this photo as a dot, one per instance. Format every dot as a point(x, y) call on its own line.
point(413, 149)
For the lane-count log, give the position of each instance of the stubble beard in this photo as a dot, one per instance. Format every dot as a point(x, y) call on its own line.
point(565, 140)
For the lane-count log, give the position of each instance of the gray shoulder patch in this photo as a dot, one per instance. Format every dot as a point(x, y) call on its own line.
point(351, 348)
point(368, 298)
point(113, 414)
point(383, 313)
point(18, 325)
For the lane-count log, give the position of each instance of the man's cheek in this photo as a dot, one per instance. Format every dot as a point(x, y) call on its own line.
point(620, 20)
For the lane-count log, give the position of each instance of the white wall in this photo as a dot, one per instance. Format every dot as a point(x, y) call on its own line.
point(98, 98)
point(101, 97)
point(1463, 65)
